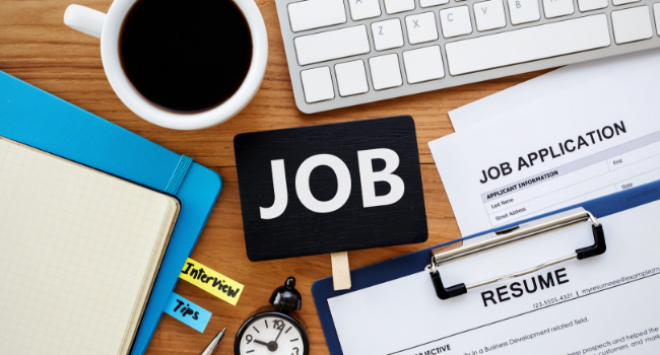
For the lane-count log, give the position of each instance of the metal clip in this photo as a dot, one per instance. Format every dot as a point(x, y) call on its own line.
point(513, 234)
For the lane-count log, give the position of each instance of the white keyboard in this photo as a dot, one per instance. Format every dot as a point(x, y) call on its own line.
point(349, 52)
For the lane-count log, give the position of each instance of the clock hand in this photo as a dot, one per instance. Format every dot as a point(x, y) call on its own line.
point(280, 333)
point(272, 346)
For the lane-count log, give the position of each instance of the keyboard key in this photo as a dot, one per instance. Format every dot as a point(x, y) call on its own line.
point(317, 84)
point(331, 45)
point(429, 3)
point(589, 5)
point(396, 6)
point(361, 9)
point(656, 11)
point(351, 78)
point(623, 2)
point(528, 44)
point(557, 8)
point(421, 28)
point(524, 11)
point(309, 14)
point(455, 21)
point(632, 24)
point(387, 34)
point(489, 15)
point(423, 64)
point(385, 72)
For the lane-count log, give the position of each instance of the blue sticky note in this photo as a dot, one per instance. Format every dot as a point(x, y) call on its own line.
point(187, 312)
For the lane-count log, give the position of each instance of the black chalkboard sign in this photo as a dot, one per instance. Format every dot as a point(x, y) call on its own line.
point(330, 188)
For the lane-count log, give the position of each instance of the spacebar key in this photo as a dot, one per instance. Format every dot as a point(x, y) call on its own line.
point(528, 44)
point(321, 47)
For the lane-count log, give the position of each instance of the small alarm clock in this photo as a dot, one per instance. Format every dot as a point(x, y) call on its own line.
point(275, 332)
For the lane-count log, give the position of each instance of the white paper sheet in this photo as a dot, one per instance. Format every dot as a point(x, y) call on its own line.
point(529, 93)
point(605, 303)
point(527, 159)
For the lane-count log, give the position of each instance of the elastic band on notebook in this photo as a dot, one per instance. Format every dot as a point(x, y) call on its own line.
point(179, 174)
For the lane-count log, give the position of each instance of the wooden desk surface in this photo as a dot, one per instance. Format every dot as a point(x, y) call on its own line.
point(37, 47)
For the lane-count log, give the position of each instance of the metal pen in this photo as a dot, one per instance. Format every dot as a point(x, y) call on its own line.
point(214, 343)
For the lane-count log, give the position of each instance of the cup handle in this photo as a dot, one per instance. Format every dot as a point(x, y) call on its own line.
point(85, 20)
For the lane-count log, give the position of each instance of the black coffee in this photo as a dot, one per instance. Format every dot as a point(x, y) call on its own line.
point(186, 55)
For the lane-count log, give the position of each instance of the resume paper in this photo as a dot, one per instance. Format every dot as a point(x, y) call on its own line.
point(598, 306)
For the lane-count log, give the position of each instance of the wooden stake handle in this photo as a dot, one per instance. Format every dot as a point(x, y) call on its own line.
point(341, 271)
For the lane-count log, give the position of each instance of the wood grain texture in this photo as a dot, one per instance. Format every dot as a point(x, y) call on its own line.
point(341, 271)
point(37, 47)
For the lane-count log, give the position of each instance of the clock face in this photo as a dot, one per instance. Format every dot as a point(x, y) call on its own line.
point(271, 333)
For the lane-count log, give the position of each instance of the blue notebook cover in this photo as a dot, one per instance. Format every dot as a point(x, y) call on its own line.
point(36, 118)
point(415, 262)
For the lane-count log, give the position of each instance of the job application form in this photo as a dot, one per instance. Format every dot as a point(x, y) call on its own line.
point(604, 305)
point(583, 143)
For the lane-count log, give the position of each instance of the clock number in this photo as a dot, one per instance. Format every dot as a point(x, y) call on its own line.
point(296, 351)
point(278, 324)
point(248, 338)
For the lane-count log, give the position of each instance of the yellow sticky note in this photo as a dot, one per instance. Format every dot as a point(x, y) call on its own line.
point(211, 281)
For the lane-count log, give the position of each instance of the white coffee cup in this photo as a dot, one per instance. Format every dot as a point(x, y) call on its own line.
point(107, 28)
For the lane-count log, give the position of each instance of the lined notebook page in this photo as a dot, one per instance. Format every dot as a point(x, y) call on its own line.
point(79, 250)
